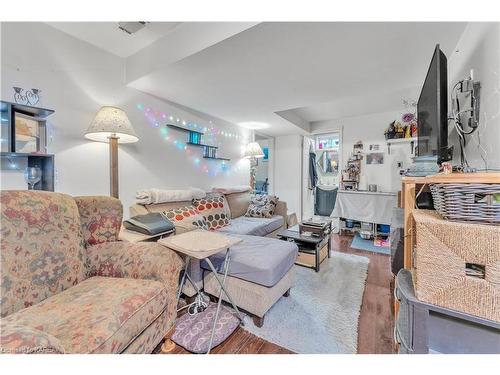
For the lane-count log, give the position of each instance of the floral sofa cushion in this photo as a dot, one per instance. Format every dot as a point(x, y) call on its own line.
point(42, 249)
point(18, 339)
point(99, 315)
point(101, 218)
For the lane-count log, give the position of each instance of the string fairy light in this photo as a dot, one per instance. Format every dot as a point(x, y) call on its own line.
point(211, 134)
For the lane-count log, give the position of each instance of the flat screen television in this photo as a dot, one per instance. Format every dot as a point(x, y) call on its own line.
point(432, 110)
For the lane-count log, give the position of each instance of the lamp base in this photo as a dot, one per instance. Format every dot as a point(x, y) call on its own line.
point(113, 166)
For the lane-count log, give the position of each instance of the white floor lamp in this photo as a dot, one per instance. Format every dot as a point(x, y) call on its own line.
point(111, 125)
point(253, 151)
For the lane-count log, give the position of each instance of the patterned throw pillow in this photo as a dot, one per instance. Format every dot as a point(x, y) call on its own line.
point(214, 209)
point(186, 219)
point(262, 206)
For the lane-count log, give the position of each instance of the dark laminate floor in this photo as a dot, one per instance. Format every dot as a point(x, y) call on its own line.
point(375, 321)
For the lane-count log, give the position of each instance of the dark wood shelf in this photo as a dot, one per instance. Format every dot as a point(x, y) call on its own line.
point(25, 154)
point(27, 110)
point(33, 159)
point(43, 161)
point(208, 157)
point(200, 145)
point(207, 149)
point(180, 128)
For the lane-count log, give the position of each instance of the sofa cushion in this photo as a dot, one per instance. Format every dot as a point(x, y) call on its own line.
point(255, 226)
point(238, 203)
point(186, 219)
point(262, 206)
point(215, 210)
point(19, 339)
point(101, 218)
point(42, 247)
point(99, 315)
point(261, 260)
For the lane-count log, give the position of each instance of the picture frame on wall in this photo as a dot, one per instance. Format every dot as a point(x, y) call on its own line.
point(375, 158)
point(29, 134)
point(266, 153)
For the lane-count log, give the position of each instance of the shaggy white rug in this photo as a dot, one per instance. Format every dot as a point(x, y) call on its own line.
point(321, 314)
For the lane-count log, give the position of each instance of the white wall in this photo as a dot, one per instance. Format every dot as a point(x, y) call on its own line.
point(287, 173)
point(479, 49)
point(370, 130)
point(76, 79)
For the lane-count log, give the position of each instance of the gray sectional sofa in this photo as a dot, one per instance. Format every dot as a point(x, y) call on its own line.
point(261, 270)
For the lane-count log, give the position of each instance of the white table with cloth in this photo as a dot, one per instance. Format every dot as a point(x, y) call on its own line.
point(367, 206)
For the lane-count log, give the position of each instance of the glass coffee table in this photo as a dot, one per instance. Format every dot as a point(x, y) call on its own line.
point(313, 249)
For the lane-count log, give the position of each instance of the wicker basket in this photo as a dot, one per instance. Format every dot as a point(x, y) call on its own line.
point(444, 253)
point(467, 202)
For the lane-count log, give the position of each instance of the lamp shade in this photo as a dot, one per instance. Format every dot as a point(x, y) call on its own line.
point(111, 122)
point(253, 150)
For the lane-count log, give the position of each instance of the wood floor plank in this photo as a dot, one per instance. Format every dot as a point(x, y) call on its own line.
point(375, 321)
point(252, 346)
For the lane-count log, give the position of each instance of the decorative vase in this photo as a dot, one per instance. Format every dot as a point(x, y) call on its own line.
point(19, 98)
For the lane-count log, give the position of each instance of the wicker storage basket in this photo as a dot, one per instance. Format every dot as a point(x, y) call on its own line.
point(444, 253)
point(467, 202)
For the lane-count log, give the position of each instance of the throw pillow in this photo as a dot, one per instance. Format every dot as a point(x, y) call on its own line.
point(238, 203)
point(262, 206)
point(186, 219)
point(214, 209)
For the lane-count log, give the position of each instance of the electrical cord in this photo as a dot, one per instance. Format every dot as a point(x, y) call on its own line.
point(197, 306)
point(456, 117)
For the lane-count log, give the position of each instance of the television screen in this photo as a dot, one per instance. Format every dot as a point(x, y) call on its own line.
point(432, 110)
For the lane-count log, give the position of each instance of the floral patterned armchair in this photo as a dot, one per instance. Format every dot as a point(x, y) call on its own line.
point(69, 286)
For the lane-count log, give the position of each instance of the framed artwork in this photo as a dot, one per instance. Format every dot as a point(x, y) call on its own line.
point(5, 127)
point(29, 134)
point(266, 153)
point(375, 158)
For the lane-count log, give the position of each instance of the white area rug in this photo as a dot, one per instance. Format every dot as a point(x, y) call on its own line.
point(321, 315)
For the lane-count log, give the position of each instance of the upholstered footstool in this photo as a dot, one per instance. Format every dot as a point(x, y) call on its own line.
point(261, 271)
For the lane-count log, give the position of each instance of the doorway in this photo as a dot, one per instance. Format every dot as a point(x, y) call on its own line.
point(265, 166)
point(322, 159)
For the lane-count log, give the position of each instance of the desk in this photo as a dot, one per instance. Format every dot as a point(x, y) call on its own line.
point(366, 206)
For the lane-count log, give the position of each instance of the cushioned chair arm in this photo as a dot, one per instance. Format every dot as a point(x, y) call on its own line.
point(142, 260)
point(20, 339)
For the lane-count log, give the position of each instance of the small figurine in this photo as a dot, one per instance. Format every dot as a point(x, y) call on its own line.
point(391, 131)
point(414, 127)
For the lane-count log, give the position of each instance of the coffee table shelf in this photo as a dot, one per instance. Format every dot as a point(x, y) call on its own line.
point(313, 250)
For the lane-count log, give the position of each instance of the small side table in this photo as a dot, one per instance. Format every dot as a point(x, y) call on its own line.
point(201, 244)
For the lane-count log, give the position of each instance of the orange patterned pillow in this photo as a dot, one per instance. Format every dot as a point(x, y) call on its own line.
point(214, 209)
point(186, 219)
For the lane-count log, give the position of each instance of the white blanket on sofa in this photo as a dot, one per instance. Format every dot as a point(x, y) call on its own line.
point(154, 195)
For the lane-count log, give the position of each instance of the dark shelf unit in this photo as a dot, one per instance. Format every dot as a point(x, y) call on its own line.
point(36, 112)
point(180, 128)
point(36, 159)
point(216, 158)
point(199, 145)
point(43, 161)
point(195, 139)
